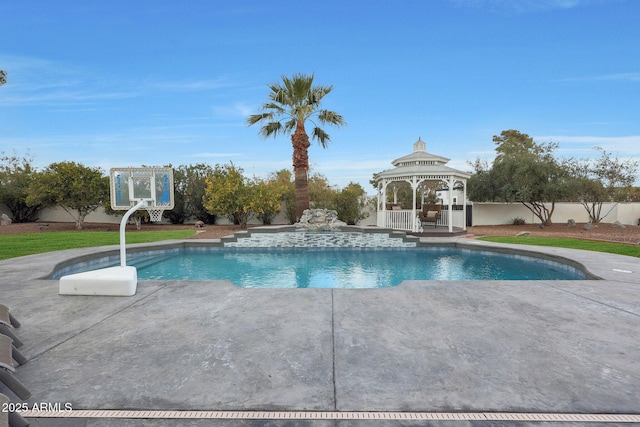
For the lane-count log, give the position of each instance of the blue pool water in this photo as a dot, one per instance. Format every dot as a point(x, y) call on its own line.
point(339, 268)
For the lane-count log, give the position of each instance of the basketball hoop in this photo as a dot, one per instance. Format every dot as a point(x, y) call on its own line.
point(155, 215)
point(150, 189)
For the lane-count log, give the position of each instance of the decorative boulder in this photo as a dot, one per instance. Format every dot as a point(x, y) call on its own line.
point(199, 224)
point(5, 220)
point(589, 226)
point(571, 223)
point(523, 234)
point(320, 220)
point(618, 224)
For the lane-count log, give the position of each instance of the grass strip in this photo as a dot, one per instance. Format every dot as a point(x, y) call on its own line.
point(589, 245)
point(15, 245)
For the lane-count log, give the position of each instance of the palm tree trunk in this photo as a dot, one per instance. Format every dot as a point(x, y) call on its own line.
point(301, 144)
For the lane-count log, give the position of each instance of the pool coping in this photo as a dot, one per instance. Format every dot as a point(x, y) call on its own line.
point(596, 265)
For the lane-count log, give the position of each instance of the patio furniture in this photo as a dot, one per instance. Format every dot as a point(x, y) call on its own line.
point(7, 325)
point(18, 357)
point(430, 213)
point(6, 314)
point(10, 418)
point(7, 369)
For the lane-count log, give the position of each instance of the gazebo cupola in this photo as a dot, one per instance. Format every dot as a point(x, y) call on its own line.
point(417, 168)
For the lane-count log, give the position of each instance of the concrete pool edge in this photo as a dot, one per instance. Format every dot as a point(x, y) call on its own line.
point(599, 265)
point(596, 265)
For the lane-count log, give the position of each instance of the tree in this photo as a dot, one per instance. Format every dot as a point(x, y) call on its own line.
point(3, 77)
point(229, 193)
point(291, 103)
point(482, 186)
point(16, 174)
point(523, 171)
point(321, 193)
point(138, 217)
point(78, 189)
point(267, 199)
point(350, 203)
point(633, 195)
point(605, 180)
point(189, 189)
point(283, 180)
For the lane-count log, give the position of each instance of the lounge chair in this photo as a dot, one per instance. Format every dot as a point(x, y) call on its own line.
point(430, 213)
point(7, 325)
point(10, 418)
point(7, 369)
point(6, 314)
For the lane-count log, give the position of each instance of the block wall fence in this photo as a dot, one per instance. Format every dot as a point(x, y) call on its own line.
point(482, 214)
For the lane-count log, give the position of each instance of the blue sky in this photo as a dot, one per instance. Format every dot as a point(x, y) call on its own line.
point(127, 83)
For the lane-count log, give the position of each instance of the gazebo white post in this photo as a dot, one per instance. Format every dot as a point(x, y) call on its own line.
point(414, 222)
point(381, 203)
point(450, 183)
point(464, 206)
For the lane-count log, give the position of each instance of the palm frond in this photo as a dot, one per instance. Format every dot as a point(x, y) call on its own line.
point(319, 92)
point(290, 124)
point(320, 135)
point(280, 96)
point(331, 117)
point(273, 106)
point(256, 118)
point(271, 129)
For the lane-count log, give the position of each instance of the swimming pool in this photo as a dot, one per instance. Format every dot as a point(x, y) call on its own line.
point(334, 267)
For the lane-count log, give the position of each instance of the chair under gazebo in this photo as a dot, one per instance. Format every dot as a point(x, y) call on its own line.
point(418, 169)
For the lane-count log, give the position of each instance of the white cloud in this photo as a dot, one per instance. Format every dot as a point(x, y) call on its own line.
point(236, 110)
point(615, 77)
point(36, 81)
point(211, 155)
point(193, 85)
point(584, 144)
point(524, 6)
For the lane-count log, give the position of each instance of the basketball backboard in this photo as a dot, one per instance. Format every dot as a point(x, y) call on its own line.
point(131, 185)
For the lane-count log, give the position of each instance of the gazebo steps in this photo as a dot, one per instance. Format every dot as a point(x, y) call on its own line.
point(438, 232)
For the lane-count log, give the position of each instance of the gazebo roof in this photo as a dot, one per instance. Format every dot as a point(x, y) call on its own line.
point(422, 165)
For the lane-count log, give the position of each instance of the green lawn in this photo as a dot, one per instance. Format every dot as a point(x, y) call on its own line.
point(589, 245)
point(15, 245)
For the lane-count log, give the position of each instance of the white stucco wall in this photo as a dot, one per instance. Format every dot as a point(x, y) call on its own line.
point(504, 213)
point(483, 214)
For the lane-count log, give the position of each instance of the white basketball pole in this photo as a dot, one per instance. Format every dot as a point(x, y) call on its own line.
point(123, 225)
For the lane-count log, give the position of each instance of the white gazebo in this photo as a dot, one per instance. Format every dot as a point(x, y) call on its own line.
point(417, 169)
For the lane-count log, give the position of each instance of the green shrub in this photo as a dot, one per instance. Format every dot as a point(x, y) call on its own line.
point(518, 221)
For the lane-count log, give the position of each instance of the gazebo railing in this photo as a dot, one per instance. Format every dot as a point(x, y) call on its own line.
point(397, 220)
point(403, 219)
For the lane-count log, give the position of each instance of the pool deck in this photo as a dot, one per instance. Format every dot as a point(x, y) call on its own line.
point(422, 353)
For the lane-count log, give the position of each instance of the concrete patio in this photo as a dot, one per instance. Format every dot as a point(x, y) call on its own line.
point(475, 349)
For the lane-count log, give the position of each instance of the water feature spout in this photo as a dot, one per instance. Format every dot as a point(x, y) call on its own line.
point(320, 220)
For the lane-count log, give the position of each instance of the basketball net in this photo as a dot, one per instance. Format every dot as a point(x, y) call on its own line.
point(155, 215)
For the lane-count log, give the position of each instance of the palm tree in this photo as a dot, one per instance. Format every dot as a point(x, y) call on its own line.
point(291, 103)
